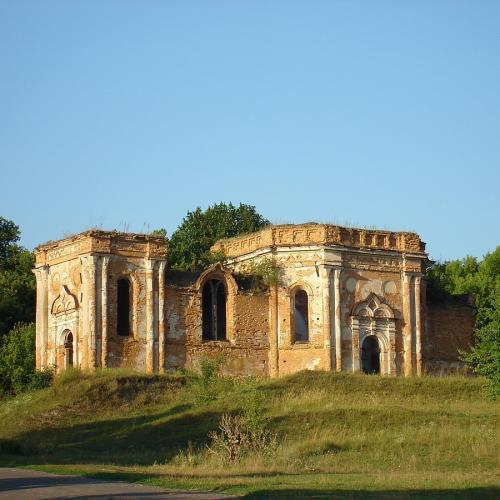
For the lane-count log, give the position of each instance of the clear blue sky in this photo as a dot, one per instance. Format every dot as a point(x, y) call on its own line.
point(375, 113)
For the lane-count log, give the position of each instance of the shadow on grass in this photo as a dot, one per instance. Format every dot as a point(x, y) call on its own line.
point(469, 493)
point(281, 494)
point(139, 440)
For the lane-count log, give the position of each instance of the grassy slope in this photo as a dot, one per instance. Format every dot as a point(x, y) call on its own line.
point(345, 435)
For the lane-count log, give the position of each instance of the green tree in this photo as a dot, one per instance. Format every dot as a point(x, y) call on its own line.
point(17, 282)
point(482, 279)
point(189, 247)
point(17, 362)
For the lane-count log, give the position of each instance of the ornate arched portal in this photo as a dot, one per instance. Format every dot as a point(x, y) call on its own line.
point(373, 322)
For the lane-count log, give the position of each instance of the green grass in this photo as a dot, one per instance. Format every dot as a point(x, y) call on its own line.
point(339, 435)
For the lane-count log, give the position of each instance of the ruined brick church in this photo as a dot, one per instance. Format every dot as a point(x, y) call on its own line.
point(346, 300)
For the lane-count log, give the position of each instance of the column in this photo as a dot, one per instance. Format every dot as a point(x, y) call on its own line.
point(104, 311)
point(90, 323)
point(338, 329)
point(42, 312)
point(161, 316)
point(418, 327)
point(407, 340)
point(150, 319)
point(326, 317)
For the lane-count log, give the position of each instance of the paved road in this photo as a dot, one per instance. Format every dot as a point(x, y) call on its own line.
point(35, 485)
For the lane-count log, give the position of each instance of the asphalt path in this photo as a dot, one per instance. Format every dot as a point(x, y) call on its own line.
point(35, 485)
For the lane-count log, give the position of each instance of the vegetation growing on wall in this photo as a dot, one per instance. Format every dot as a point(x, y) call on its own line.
point(262, 274)
point(480, 278)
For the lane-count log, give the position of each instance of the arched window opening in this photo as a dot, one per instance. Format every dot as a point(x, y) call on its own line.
point(370, 355)
point(68, 350)
point(213, 310)
point(123, 308)
point(301, 316)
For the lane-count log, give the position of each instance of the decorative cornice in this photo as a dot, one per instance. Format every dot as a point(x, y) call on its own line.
point(101, 242)
point(322, 234)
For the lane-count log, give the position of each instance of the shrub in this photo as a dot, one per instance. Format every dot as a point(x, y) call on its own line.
point(244, 434)
point(262, 274)
point(10, 447)
point(206, 383)
point(17, 361)
point(42, 378)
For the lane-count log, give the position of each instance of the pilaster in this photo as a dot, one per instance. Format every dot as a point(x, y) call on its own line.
point(42, 312)
point(273, 332)
point(418, 326)
point(90, 325)
point(391, 352)
point(150, 315)
point(355, 334)
point(407, 327)
point(326, 316)
point(161, 316)
point(338, 329)
point(104, 310)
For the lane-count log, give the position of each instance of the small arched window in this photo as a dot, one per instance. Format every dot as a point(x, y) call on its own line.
point(123, 308)
point(300, 316)
point(214, 310)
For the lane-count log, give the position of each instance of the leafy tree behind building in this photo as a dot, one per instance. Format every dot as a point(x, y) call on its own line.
point(189, 246)
point(482, 280)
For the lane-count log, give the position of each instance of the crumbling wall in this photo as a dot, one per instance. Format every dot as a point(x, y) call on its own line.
point(246, 350)
point(300, 271)
point(177, 317)
point(127, 351)
point(449, 329)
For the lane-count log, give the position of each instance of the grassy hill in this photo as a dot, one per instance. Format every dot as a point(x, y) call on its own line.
point(321, 435)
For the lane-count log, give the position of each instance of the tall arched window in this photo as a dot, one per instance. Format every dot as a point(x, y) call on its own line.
point(300, 316)
point(214, 310)
point(123, 308)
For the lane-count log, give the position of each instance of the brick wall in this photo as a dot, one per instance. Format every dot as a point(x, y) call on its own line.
point(449, 329)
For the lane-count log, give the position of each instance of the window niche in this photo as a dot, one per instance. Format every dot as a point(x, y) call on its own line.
point(214, 299)
point(123, 308)
point(300, 302)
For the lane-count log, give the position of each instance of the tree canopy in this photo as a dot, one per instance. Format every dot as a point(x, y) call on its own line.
point(189, 246)
point(482, 279)
point(17, 281)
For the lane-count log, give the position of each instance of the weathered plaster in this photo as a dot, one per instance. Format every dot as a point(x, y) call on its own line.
point(359, 283)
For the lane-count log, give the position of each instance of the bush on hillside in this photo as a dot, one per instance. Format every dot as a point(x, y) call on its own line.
point(17, 361)
point(245, 434)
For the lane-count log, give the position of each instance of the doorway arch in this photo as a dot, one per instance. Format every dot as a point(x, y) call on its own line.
point(370, 355)
point(68, 349)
